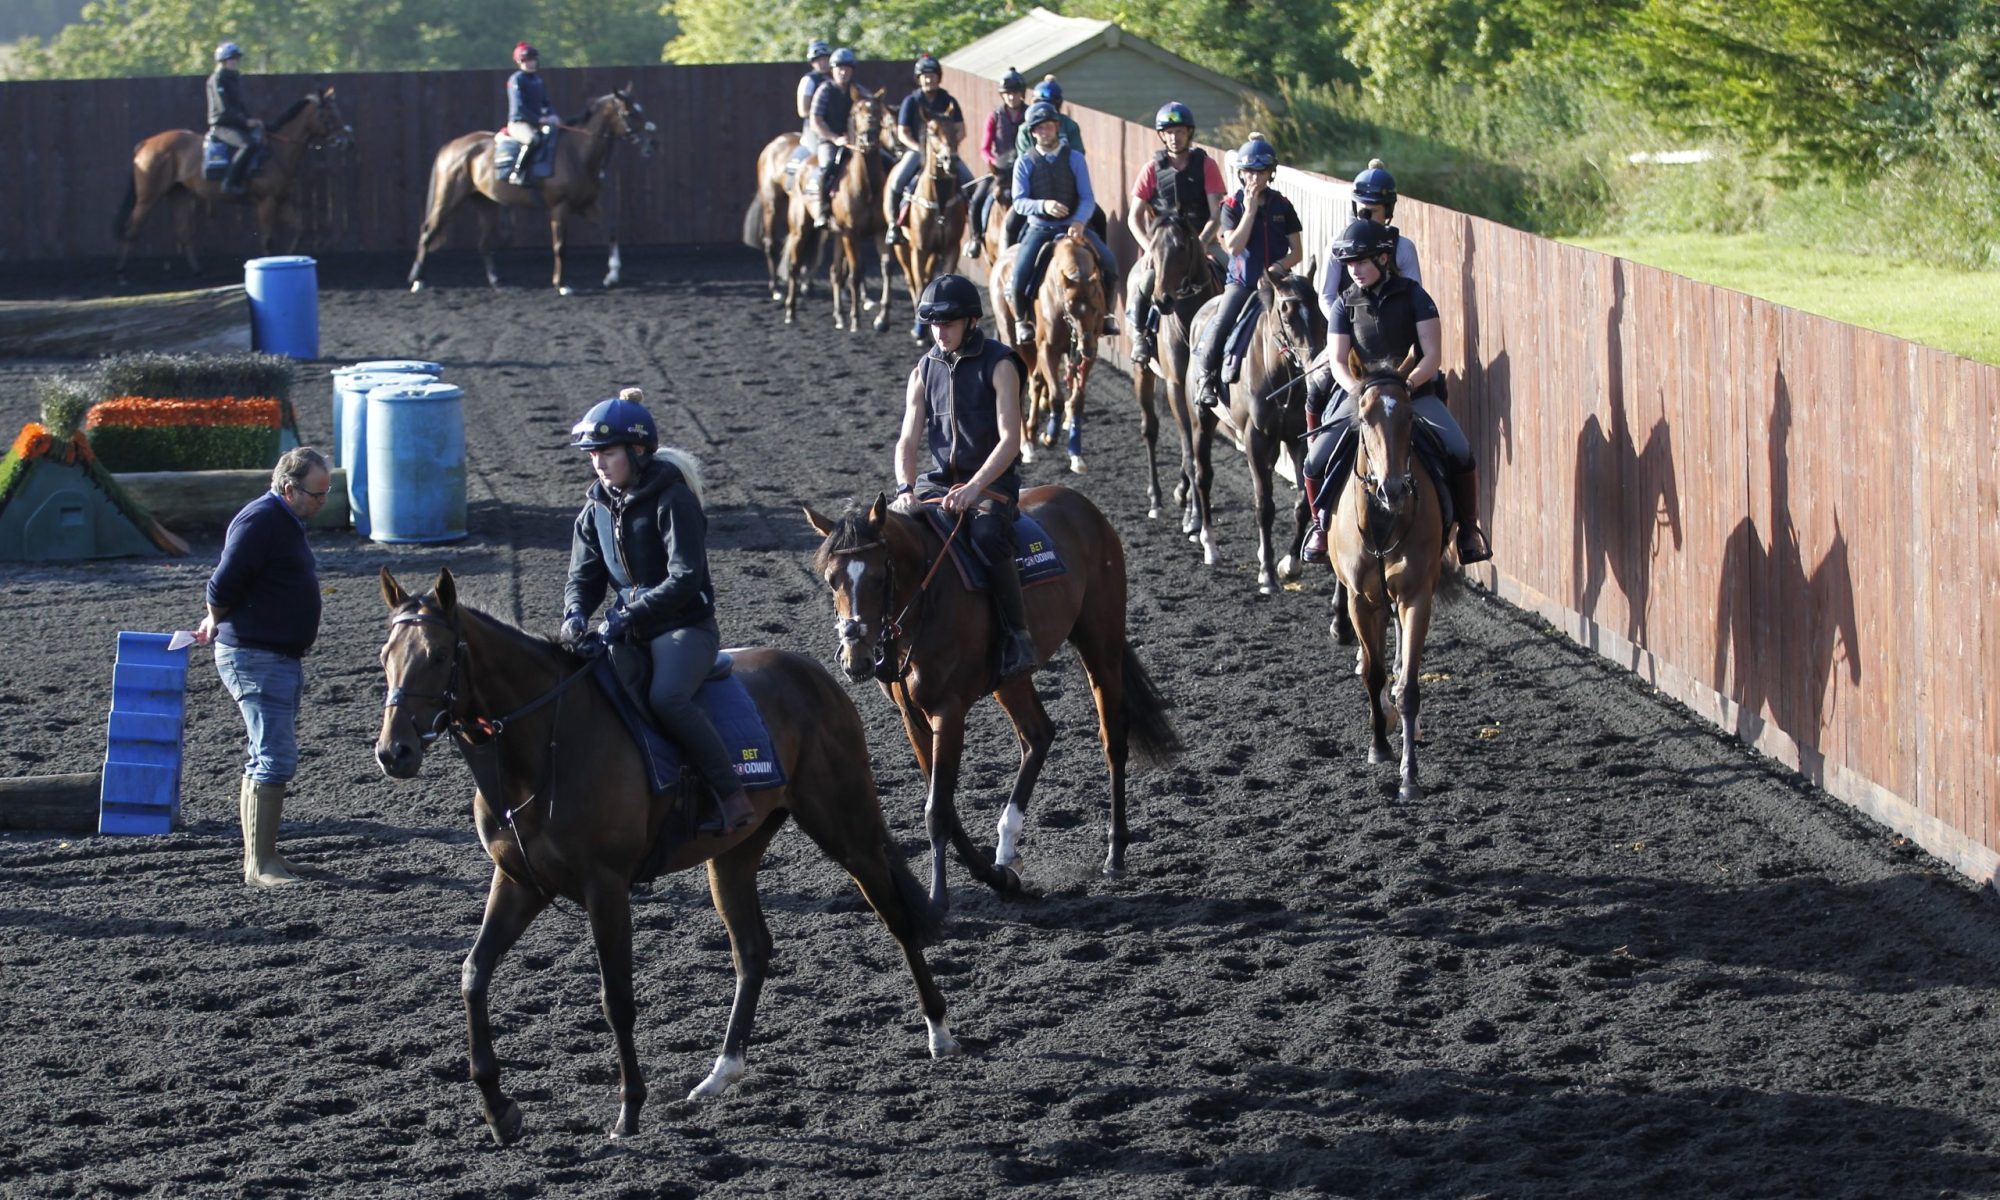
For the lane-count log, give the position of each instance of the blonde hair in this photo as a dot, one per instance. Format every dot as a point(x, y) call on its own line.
point(687, 464)
point(1375, 164)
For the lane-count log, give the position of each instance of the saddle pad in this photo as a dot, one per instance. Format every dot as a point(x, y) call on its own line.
point(1246, 325)
point(506, 150)
point(736, 718)
point(1034, 551)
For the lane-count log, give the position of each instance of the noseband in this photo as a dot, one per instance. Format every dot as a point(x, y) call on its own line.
point(889, 630)
point(447, 699)
point(1402, 516)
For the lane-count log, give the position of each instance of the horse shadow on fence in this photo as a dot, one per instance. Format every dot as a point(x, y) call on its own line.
point(1778, 621)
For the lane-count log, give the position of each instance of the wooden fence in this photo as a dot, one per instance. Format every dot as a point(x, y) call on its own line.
point(1784, 522)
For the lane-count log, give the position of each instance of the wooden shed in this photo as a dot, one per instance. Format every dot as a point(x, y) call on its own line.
point(1101, 66)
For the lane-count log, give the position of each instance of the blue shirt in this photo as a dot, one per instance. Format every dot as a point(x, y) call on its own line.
point(1025, 202)
point(1276, 222)
point(267, 581)
point(917, 109)
point(527, 98)
point(831, 105)
point(808, 87)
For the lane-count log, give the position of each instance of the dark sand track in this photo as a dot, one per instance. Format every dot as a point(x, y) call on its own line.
point(1612, 954)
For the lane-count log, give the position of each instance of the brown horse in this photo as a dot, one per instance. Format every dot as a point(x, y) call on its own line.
point(925, 639)
point(1069, 315)
point(774, 201)
point(463, 173)
point(857, 218)
point(1184, 279)
point(167, 167)
point(563, 809)
point(1266, 406)
point(934, 223)
point(1386, 543)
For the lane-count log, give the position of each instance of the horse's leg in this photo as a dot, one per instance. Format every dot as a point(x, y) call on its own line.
point(837, 268)
point(267, 223)
point(1415, 614)
point(941, 810)
point(510, 907)
point(184, 230)
point(489, 225)
point(1073, 415)
point(919, 732)
point(794, 251)
point(1204, 483)
point(610, 906)
point(1371, 623)
point(1102, 652)
point(288, 216)
point(1289, 565)
point(1034, 731)
point(1149, 429)
point(771, 245)
point(556, 214)
point(881, 256)
point(1262, 456)
point(141, 208)
point(732, 884)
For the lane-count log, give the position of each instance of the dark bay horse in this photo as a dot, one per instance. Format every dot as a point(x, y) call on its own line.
point(1069, 315)
point(1184, 279)
point(462, 173)
point(926, 640)
point(1386, 543)
point(774, 202)
point(167, 167)
point(934, 224)
point(564, 809)
point(1265, 413)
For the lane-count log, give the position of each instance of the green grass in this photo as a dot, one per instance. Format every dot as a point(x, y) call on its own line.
point(1947, 308)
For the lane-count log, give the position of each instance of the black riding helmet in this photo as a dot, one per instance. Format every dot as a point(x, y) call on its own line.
point(947, 298)
point(1363, 239)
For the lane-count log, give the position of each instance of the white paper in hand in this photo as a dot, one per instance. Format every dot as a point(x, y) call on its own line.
point(181, 640)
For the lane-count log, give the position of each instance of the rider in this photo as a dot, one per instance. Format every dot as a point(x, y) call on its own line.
point(818, 67)
point(1003, 129)
point(832, 106)
point(1181, 183)
point(1260, 233)
point(1373, 196)
point(529, 113)
point(1381, 316)
point(929, 102)
point(1052, 189)
point(642, 533)
point(228, 121)
point(964, 399)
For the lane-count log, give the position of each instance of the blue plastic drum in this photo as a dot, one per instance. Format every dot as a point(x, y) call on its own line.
point(409, 366)
point(351, 444)
point(416, 463)
point(284, 305)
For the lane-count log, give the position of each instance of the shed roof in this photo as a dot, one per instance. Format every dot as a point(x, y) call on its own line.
point(1042, 42)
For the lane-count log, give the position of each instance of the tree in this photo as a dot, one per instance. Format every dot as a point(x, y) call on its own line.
point(778, 30)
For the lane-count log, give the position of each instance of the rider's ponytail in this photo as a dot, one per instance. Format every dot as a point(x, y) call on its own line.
point(687, 464)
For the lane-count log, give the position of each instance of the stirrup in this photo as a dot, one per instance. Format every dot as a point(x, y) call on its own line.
point(1209, 394)
point(1024, 332)
point(1314, 550)
point(1472, 545)
point(972, 247)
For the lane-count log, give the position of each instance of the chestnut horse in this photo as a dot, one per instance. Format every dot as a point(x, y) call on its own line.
point(1184, 279)
point(927, 641)
point(563, 809)
point(462, 173)
point(857, 218)
point(774, 201)
point(934, 223)
point(167, 166)
point(1069, 315)
point(1386, 543)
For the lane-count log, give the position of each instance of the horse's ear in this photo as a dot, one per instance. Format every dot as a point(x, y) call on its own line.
point(626, 91)
point(328, 93)
point(878, 510)
point(392, 592)
point(447, 590)
point(821, 524)
point(1410, 362)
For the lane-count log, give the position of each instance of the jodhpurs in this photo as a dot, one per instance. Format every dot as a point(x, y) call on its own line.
point(1215, 338)
point(906, 174)
point(682, 659)
point(1039, 234)
point(1431, 414)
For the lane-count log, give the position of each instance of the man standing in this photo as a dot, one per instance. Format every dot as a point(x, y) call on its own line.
point(263, 616)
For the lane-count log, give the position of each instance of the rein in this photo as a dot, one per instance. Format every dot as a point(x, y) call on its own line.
point(890, 630)
point(1405, 518)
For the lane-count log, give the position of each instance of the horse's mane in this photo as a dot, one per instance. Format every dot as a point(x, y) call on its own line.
point(850, 533)
point(298, 106)
point(519, 637)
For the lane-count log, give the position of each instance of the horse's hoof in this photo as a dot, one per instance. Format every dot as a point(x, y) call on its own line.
point(881, 322)
point(561, 291)
point(1380, 754)
point(1114, 865)
point(1266, 588)
point(1288, 568)
point(610, 281)
point(776, 294)
point(1209, 555)
point(628, 1123)
point(1409, 792)
point(946, 1047)
point(727, 1071)
point(416, 285)
point(1027, 450)
point(1076, 466)
point(1341, 632)
point(1009, 881)
point(506, 1127)
point(869, 305)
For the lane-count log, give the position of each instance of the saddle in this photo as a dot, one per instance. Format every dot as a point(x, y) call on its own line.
point(1034, 551)
point(625, 673)
point(506, 151)
point(215, 156)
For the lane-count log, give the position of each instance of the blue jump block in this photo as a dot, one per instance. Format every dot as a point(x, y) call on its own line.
point(142, 758)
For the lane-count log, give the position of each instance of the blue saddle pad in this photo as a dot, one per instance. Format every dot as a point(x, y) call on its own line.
point(215, 156)
point(736, 718)
point(506, 150)
point(1239, 337)
point(1034, 551)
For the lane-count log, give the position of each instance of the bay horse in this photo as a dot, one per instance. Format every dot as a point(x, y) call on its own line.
point(774, 201)
point(934, 223)
point(463, 173)
point(167, 167)
point(1069, 315)
point(857, 220)
point(563, 808)
point(1184, 279)
point(1386, 543)
point(926, 640)
point(1267, 398)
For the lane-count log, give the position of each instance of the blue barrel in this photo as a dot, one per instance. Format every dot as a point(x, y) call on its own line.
point(404, 366)
point(351, 447)
point(284, 305)
point(416, 463)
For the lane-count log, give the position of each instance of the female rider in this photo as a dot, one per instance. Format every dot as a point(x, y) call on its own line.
point(1260, 233)
point(1003, 128)
point(642, 532)
point(529, 112)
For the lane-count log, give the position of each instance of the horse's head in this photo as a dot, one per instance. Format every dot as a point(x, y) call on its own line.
point(1180, 267)
point(938, 152)
point(629, 121)
point(870, 116)
point(329, 128)
point(858, 562)
point(1074, 269)
point(1288, 313)
point(422, 661)
point(1385, 419)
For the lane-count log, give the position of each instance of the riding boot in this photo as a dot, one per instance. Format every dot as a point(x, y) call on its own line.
point(732, 812)
point(896, 236)
point(233, 182)
point(262, 867)
point(1024, 331)
point(1017, 648)
point(1472, 544)
point(1314, 550)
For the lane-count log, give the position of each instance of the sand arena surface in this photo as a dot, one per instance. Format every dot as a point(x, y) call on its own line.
point(1612, 954)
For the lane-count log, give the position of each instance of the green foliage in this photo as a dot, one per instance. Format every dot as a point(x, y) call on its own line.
point(196, 376)
point(65, 401)
point(183, 447)
point(777, 31)
point(1398, 44)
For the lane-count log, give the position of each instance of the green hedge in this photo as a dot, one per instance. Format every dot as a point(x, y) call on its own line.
point(184, 447)
point(201, 377)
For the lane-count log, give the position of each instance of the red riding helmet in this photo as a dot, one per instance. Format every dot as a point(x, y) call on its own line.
point(523, 50)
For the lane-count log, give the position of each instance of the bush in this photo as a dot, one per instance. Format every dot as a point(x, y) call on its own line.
point(201, 377)
point(134, 433)
point(66, 401)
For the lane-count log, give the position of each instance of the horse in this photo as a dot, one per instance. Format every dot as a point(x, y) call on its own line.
point(926, 641)
point(774, 200)
point(1184, 279)
point(168, 165)
point(1386, 544)
point(564, 810)
point(1268, 397)
point(934, 223)
point(1069, 315)
point(857, 220)
point(463, 173)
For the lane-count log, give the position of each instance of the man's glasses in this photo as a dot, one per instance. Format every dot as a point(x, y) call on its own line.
point(319, 495)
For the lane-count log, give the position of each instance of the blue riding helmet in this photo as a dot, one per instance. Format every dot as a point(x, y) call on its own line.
point(1049, 90)
point(227, 51)
point(1256, 155)
point(1363, 239)
point(616, 422)
point(1375, 186)
point(1039, 111)
point(927, 65)
point(1012, 81)
point(845, 57)
point(818, 49)
point(1173, 115)
point(948, 298)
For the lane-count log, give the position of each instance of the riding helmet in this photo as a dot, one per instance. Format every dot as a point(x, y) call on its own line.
point(845, 57)
point(227, 51)
point(1256, 155)
point(818, 49)
point(1039, 111)
point(1363, 239)
point(1012, 81)
point(523, 50)
point(616, 422)
point(947, 298)
point(1375, 186)
point(1048, 89)
point(927, 64)
point(1173, 115)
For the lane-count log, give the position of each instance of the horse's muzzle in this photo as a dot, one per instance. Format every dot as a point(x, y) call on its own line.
point(399, 758)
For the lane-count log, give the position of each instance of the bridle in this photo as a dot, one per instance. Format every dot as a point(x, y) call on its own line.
point(1194, 278)
point(889, 630)
point(938, 160)
point(1403, 516)
point(1288, 349)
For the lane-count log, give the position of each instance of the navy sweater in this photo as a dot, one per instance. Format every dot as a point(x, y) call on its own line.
point(267, 581)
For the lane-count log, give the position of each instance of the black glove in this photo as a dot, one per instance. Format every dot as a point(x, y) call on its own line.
point(615, 625)
point(590, 645)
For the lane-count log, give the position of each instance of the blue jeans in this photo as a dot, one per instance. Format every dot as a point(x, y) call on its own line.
point(1033, 238)
point(266, 686)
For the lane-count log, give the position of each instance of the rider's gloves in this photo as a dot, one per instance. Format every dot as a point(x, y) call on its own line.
point(614, 626)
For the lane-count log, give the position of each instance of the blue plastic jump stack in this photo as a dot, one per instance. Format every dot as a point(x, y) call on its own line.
point(142, 762)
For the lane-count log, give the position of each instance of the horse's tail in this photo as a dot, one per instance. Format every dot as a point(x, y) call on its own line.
point(926, 920)
point(1152, 735)
point(120, 222)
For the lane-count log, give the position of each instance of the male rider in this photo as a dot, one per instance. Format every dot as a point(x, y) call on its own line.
point(1052, 191)
point(1181, 183)
point(529, 113)
point(929, 102)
